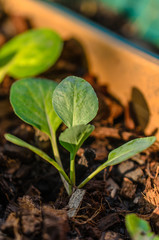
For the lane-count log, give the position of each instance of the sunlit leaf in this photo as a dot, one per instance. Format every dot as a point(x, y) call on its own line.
point(121, 154)
point(128, 150)
point(75, 101)
point(30, 53)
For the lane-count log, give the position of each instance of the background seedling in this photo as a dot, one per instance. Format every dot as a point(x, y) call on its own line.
point(76, 104)
point(30, 53)
point(139, 229)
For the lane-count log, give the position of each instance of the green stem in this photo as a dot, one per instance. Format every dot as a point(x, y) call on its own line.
point(55, 149)
point(72, 168)
point(99, 169)
point(42, 154)
point(58, 160)
point(72, 171)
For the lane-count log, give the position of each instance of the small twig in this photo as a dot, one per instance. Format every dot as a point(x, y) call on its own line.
point(157, 172)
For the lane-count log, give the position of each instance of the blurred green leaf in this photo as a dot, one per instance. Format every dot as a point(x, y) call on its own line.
point(139, 229)
point(30, 53)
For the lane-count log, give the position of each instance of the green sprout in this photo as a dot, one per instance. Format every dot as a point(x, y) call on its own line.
point(30, 53)
point(74, 103)
point(139, 229)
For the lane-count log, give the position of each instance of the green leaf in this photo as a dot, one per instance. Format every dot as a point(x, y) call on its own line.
point(156, 238)
point(31, 101)
point(75, 101)
point(128, 150)
point(39, 152)
point(138, 228)
point(121, 154)
point(72, 138)
point(30, 53)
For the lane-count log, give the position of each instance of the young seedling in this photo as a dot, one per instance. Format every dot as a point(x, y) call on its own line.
point(76, 104)
point(139, 229)
point(30, 53)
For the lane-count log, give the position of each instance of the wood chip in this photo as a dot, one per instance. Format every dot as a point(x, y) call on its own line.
point(75, 202)
point(108, 221)
point(108, 132)
point(128, 188)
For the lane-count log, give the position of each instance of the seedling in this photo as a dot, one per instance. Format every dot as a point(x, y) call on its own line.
point(139, 229)
point(75, 104)
point(30, 53)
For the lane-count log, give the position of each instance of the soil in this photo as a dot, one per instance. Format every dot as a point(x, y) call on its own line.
point(33, 202)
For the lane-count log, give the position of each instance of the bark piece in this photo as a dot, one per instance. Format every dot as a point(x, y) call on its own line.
point(11, 227)
point(55, 224)
point(128, 188)
point(108, 221)
point(31, 217)
point(75, 202)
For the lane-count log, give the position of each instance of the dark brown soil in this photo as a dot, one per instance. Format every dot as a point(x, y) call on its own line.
point(33, 202)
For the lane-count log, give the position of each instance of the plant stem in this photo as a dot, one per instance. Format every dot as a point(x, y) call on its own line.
point(72, 168)
point(72, 171)
point(39, 152)
point(99, 169)
point(55, 149)
point(58, 160)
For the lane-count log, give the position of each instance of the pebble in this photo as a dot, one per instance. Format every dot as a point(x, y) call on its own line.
point(135, 175)
point(140, 160)
point(125, 166)
point(112, 187)
point(110, 235)
point(127, 170)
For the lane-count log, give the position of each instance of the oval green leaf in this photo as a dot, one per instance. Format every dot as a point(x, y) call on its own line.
point(128, 150)
point(30, 53)
point(72, 138)
point(75, 101)
point(31, 99)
